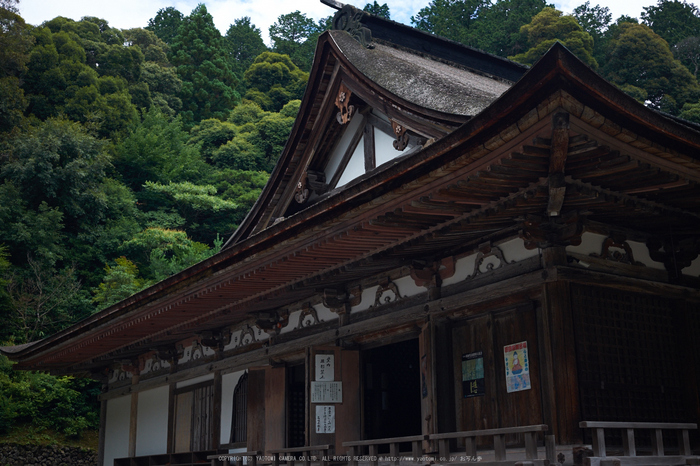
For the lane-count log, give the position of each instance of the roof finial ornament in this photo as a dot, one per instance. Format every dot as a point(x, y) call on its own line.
point(348, 19)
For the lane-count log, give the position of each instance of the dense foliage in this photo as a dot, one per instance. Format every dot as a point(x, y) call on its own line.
point(128, 155)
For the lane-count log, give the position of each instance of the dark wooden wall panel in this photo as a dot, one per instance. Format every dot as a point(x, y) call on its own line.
point(348, 419)
point(256, 409)
point(275, 407)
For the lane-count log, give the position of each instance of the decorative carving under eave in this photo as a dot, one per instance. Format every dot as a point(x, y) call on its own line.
point(386, 285)
point(401, 136)
point(216, 339)
point(676, 255)
point(301, 192)
point(246, 331)
point(342, 101)
point(336, 300)
point(306, 311)
point(617, 241)
point(487, 250)
point(564, 230)
point(272, 322)
point(349, 19)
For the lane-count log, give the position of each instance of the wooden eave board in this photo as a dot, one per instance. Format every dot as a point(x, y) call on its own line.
point(371, 225)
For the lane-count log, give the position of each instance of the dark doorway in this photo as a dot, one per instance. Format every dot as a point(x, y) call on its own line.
point(296, 406)
point(392, 390)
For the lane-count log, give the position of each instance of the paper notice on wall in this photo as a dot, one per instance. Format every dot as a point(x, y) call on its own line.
point(517, 367)
point(325, 367)
point(326, 392)
point(325, 419)
point(473, 374)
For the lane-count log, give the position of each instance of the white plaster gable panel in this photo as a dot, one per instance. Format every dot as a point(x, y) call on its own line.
point(407, 287)
point(384, 150)
point(356, 165)
point(152, 422)
point(117, 421)
point(228, 385)
point(337, 155)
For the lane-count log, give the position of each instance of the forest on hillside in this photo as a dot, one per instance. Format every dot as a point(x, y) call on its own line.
point(129, 155)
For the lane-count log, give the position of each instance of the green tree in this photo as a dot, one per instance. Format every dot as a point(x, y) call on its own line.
point(295, 35)
point(273, 80)
point(209, 83)
point(640, 58)
point(378, 10)
point(551, 26)
point(595, 20)
point(244, 42)
point(672, 20)
point(453, 19)
point(157, 150)
point(121, 281)
point(166, 24)
point(15, 43)
point(688, 52)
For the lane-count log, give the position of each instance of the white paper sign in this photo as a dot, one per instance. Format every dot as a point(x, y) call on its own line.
point(326, 392)
point(325, 419)
point(325, 367)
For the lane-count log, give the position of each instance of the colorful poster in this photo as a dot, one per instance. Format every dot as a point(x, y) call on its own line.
point(473, 374)
point(517, 367)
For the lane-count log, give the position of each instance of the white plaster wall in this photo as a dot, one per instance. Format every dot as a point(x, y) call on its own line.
point(117, 422)
point(342, 146)
point(407, 287)
point(694, 269)
point(152, 422)
point(367, 300)
point(196, 380)
point(463, 269)
point(592, 243)
point(228, 385)
point(515, 250)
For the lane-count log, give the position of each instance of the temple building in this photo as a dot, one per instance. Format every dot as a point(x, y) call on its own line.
point(449, 242)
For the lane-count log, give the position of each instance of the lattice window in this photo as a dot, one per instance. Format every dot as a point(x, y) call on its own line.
point(628, 359)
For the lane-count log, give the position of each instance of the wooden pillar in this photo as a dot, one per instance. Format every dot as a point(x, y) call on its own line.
point(275, 407)
point(560, 376)
point(426, 353)
point(103, 425)
point(133, 419)
point(216, 411)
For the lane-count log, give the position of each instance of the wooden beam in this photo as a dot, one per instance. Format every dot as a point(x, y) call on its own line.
point(557, 162)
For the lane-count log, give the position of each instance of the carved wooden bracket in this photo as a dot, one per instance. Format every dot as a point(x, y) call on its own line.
point(617, 241)
point(246, 331)
point(301, 192)
point(487, 250)
point(342, 101)
point(432, 274)
point(676, 255)
point(272, 322)
point(307, 310)
point(316, 181)
point(539, 232)
point(401, 135)
point(386, 285)
point(336, 300)
point(216, 339)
